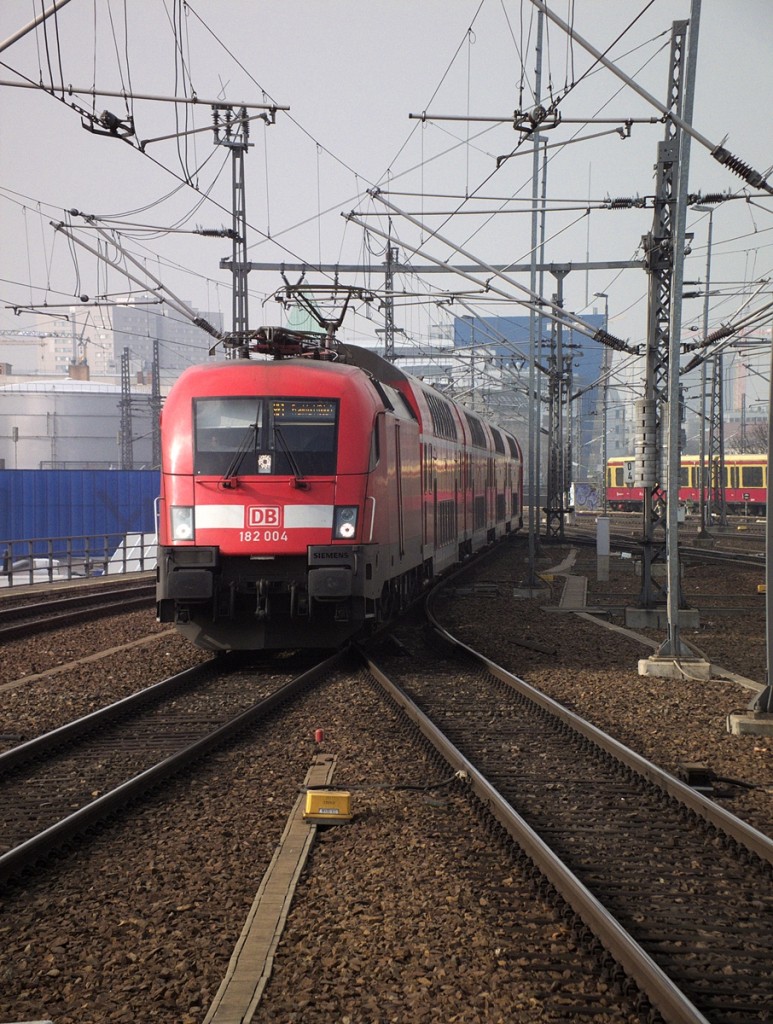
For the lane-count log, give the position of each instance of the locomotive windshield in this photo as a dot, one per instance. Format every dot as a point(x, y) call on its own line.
point(259, 436)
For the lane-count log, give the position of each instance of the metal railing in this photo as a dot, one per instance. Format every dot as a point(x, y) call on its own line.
point(55, 559)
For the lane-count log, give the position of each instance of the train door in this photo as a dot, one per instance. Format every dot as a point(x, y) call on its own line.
point(466, 487)
point(491, 493)
point(428, 498)
point(457, 489)
point(399, 484)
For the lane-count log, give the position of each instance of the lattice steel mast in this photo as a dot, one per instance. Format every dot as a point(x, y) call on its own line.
point(127, 443)
point(233, 131)
point(651, 444)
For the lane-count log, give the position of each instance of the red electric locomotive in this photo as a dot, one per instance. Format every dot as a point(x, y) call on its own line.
point(304, 498)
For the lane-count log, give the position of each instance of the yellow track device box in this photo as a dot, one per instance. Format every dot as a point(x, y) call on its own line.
point(327, 806)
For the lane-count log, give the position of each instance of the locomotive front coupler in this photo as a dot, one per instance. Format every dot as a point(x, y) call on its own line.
point(261, 607)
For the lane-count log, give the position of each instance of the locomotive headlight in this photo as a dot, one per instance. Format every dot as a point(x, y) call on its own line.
point(344, 522)
point(182, 522)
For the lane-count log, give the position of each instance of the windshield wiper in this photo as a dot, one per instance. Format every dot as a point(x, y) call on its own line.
point(299, 481)
point(250, 437)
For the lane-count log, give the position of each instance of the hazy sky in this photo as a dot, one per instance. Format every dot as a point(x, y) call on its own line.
point(351, 72)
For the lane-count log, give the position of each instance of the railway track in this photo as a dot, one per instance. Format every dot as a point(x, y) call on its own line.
point(670, 891)
point(751, 554)
point(740, 535)
point(21, 620)
point(676, 889)
point(70, 780)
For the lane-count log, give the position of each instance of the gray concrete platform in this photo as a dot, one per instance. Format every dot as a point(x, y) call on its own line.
point(237, 999)
point(575, 592)
point(529, 592)
point(657, 618)
point(670, 667)
point(750, 723)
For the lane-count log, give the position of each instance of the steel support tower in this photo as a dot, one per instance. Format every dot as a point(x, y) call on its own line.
point(389, 302)
point(557, 402)
point(232, 130)
point(651, 446)
point(716, 505)
point(155, 405)
point(127, 444)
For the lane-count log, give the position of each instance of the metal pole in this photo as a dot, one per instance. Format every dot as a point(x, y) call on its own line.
point(534, 405)
point(155, 405)
point(764, 701)
point(604, 452)
point(705, 473)
point(719, 385)
point(541, 331)
point(389, 303)
point(702, 467)
point(194, 101)
point(673, 645)
point(33, 24)
point(605, 370)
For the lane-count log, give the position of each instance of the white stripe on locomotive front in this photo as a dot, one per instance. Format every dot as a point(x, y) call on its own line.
point(233, 517)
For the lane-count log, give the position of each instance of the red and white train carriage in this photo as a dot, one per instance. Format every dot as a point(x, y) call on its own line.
point(303, 498)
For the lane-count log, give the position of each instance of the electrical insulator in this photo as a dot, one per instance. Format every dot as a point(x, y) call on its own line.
point(754, 178)
point(645, 443)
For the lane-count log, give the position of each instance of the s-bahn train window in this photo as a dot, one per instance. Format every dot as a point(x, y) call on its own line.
point(751, 476)
point(246, 436)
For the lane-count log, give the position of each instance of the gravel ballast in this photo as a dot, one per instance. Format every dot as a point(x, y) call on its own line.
point(406, 914)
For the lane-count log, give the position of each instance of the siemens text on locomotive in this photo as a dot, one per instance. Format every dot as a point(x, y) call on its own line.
point(304, 498)
point(745, 483)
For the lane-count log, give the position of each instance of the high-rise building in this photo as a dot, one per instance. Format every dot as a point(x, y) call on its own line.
point(507, 337)
point(180, 343)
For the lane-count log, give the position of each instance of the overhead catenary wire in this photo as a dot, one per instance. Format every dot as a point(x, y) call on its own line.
point(533, 300)
point(190, 184)
point(73, 90)
point(157, 287)
point(270, 239)
point(720, 154)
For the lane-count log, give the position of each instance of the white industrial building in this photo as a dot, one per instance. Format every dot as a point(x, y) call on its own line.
point(71, 424)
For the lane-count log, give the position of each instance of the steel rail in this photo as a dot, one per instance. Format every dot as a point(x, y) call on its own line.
point(662, 992)
point(80, 727)
point(750, 560)
point(99, 593)
point(658, 987)
point(24, 856)
point(99, 610)
point(740, 831)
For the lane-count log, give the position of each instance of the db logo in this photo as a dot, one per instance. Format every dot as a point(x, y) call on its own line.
point(264, 515)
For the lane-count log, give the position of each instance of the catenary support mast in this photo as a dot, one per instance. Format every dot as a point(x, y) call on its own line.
point(651, 420)
point(233, 131)
point(535, 405)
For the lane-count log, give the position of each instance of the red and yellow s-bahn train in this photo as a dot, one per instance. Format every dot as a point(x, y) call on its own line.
point(746, 483)
point(304, 498)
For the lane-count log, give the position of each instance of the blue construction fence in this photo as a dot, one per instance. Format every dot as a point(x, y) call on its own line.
point(47, 503)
